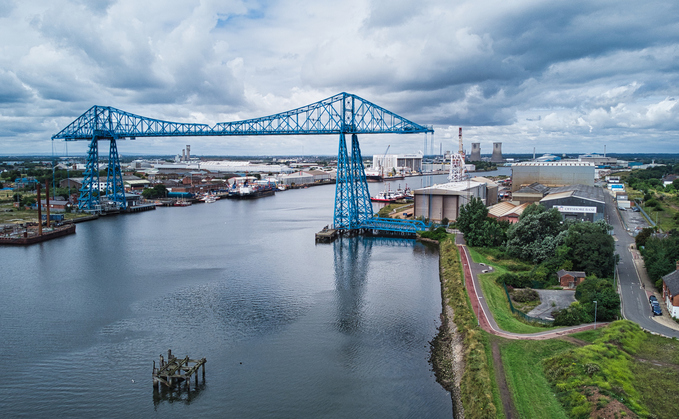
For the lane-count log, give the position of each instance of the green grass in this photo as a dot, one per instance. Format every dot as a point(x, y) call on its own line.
point(497, 299)
point(531, 392)
point(478, 389)
point(497, 401)
point(589, 335)
point(606, 364)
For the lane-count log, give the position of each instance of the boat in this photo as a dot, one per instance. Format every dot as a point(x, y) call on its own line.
point(385, 196)
point(182, 203)
point(249, 191)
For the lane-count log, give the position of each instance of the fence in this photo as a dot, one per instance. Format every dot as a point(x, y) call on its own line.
point(524, 315)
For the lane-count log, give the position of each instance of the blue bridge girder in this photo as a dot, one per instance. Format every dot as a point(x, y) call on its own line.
point(340, 114)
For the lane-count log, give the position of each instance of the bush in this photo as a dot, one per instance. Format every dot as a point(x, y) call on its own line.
point(438, 234)
point(569, 316)
point(513, 280)
point(525, 295)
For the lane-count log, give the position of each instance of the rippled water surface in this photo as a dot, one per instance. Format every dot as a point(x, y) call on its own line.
point(290, 329)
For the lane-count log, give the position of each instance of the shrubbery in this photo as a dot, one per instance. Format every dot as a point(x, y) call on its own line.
point(525, 295)
point(513, 280)
point(439, 234)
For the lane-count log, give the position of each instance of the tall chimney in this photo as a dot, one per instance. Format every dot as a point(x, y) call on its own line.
point(39, 210)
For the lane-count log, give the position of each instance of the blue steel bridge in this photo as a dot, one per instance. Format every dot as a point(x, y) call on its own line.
point(343, 114)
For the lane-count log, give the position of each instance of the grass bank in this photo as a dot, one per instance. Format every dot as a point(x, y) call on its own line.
point(625, 371)
point(478, 392)
point(497, 298)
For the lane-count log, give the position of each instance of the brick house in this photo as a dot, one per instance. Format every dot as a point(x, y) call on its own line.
point(570, 279)
point(670, 291)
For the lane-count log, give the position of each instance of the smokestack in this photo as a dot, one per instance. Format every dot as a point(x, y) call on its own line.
point(497, 153)
point(476, 152)
point(39, 210)
point(460, 136)
point(188, 152)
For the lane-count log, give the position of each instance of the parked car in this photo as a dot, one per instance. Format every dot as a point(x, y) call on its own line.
point(636, 209)
point(652, 300)
point(622, 208)
point(655, 308)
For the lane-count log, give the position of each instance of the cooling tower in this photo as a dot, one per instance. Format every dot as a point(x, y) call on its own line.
point(497, 153)
point(188, 153)
point(476, 152)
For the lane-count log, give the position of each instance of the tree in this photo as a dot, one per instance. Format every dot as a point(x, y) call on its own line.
point(600, 290)
point(643, 236)
point(591, 248)
point(535, 236)
point(478, 229)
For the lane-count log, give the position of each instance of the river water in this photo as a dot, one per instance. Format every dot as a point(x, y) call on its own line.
point(290, 329)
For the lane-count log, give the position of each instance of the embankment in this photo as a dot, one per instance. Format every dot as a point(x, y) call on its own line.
point(458, 353)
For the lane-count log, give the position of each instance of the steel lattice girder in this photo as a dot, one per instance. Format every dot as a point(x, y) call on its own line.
point(340, 113)
point(91, 178)
point(115, 189)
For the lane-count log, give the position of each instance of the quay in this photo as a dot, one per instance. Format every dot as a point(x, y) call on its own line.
point(327, 235)
point(175, 371)
point(31, 234)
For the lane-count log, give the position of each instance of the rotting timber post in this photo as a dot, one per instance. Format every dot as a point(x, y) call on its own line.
point(176, 371)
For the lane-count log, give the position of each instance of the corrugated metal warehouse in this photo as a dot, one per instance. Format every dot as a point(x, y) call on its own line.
point(578, 202)
point(444, 201)
point(552, 174)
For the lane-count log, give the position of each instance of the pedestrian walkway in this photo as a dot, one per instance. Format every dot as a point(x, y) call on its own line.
point(483, 313)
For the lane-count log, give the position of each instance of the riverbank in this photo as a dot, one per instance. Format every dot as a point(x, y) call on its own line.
point(459, 351)
point(614, 371)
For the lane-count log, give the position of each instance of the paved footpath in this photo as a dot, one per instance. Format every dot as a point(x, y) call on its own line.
point(483, 314)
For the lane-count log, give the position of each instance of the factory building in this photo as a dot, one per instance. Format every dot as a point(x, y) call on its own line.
point(444, 201)
point(398, 162)
point(577, 202)
point(552, 174)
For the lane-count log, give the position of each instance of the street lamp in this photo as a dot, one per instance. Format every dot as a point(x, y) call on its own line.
point(595, 304)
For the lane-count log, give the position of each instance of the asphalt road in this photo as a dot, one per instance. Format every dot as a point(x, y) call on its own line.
point(635, 306)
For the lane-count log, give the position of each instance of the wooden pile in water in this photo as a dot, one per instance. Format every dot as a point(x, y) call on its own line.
point(176, 371)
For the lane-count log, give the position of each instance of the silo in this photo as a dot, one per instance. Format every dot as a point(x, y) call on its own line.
point(476, 152)
point(497, 153)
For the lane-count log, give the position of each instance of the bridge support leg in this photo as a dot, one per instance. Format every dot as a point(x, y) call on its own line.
point(115, 190)
point(364, 208)
point(343, 190)
point(352, 198)
point(89, 192)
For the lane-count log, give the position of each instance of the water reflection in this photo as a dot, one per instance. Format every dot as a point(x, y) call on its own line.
point(352, 260)
point(178, 394)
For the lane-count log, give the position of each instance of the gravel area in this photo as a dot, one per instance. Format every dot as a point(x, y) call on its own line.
point(551, 300)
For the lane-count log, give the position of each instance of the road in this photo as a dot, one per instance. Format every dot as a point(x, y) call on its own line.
point(635, 306)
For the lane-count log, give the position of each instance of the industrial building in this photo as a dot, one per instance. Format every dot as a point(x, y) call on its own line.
point(552, 174)
point(578, 202)
point(445, 200)
point(398, 162)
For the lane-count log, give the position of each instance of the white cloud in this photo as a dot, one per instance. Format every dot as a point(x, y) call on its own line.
point(557, 75)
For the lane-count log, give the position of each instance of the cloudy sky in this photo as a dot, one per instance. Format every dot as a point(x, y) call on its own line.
point(560, 76)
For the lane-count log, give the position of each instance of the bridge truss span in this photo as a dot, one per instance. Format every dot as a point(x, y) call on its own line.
point(340, 114)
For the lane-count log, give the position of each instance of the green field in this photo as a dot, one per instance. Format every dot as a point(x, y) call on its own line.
point(531, 392)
